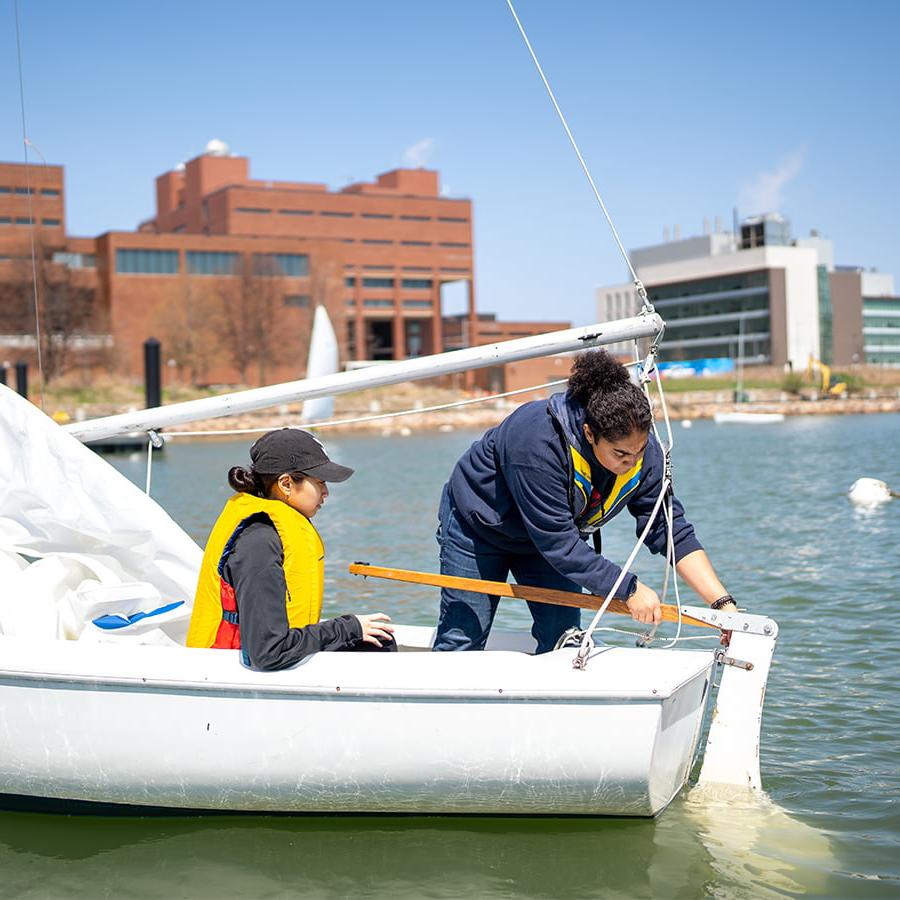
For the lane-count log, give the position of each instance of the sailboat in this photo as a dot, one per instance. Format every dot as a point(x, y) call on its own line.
point(323, 360)
point(103, 703)
point(747, 416)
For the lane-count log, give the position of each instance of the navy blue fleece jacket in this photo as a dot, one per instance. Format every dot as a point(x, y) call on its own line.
point(513, 488)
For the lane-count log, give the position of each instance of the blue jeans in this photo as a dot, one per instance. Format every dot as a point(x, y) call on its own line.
point(466, 617)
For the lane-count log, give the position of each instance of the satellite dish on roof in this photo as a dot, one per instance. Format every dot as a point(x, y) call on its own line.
point(217, 148)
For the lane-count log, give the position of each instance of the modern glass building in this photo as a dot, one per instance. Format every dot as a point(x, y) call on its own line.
point(826, 316)
point(755, 294)
point(881, 330)
point(723, 316)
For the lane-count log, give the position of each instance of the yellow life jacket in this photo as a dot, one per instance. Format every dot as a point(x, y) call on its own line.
point(304, 568)
point(596, 510)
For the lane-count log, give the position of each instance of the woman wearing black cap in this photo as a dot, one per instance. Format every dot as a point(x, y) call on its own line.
point(524, 497)
point(262, 575)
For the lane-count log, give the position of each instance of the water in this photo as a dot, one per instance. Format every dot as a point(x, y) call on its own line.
point(769, 505)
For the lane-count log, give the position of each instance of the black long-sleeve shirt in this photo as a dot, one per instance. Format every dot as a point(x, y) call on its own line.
point(255, 569)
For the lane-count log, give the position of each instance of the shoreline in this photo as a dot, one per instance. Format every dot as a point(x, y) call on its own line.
point(491, 415)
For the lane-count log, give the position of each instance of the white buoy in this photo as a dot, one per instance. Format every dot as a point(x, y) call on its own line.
point(687, 423)
point(869, 492)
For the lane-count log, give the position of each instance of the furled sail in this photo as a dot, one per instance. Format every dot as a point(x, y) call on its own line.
point(323, 360)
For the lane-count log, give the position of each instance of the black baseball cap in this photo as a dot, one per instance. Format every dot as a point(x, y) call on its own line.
point(295, 450)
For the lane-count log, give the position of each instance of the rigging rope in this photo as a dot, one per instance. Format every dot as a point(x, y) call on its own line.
point(26, 143)
point(333, 423)
point(646, 372)
point(646, 305)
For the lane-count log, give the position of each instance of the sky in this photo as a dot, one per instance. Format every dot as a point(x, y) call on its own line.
point(683, 112)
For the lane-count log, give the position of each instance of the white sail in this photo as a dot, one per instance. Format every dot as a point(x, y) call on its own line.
point(323, 360)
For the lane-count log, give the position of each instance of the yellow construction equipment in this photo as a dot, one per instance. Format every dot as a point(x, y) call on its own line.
point(829, 387)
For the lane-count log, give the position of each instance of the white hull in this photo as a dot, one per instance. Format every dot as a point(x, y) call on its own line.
point(493, 732)
point(747, 418)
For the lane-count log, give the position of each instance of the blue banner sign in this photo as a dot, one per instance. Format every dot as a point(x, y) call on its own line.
point(696, 368)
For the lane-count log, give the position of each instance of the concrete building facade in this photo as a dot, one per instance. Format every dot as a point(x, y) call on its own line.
point(761, 294)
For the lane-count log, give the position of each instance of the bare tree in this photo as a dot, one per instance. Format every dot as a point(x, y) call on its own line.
point(188, 330)
point(248, 312)
point(68, 319)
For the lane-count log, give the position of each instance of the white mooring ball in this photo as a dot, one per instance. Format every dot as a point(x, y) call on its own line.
point(869, 492)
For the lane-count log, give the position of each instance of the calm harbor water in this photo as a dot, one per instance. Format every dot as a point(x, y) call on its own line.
point(769, 504)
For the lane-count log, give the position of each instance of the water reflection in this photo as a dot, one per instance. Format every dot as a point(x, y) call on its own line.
point(704, 845)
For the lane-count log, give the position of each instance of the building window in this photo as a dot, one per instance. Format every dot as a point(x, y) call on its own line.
point(5, 220)
point(378, 282)
point(4, 190)
point(291, 265)
point(202, 262)
point(256, 210)
point(23, 220)
point(50, 223)
point(416, 269)
point(335, 213)
point(350, 301)
point(378, 268)
point(298, 301)
point(451, 219)
point(416, 218)
point(416, 243)
point(371, 301)
point(147, 262)
point(373, 241)
point(350, 282)
point(76, 260)
point(23, 190)
point(452, 244)
point(417, 284)
point(50, 192)
point(349, 240)
point(417, 304)
point(377, 216)
point(295, 212)
point(451, 269)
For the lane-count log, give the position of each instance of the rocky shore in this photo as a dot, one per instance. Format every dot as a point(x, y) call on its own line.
point(372, 418)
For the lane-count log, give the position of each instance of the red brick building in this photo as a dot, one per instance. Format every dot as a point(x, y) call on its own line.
point(399, 240)
point(229, 271)
point(484, 328)
point(376, 254)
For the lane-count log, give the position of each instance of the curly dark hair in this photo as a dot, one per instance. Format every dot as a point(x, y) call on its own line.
point(614, 406)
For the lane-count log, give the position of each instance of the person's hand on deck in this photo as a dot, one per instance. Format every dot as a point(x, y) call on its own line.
point(375, 628)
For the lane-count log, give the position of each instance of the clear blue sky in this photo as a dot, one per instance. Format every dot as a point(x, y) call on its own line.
point(682, 110)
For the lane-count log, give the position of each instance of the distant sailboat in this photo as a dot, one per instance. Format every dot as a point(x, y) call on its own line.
point(747, 416)
point(323, 360)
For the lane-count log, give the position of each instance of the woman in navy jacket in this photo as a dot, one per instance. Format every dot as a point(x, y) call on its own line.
point(524, 498)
